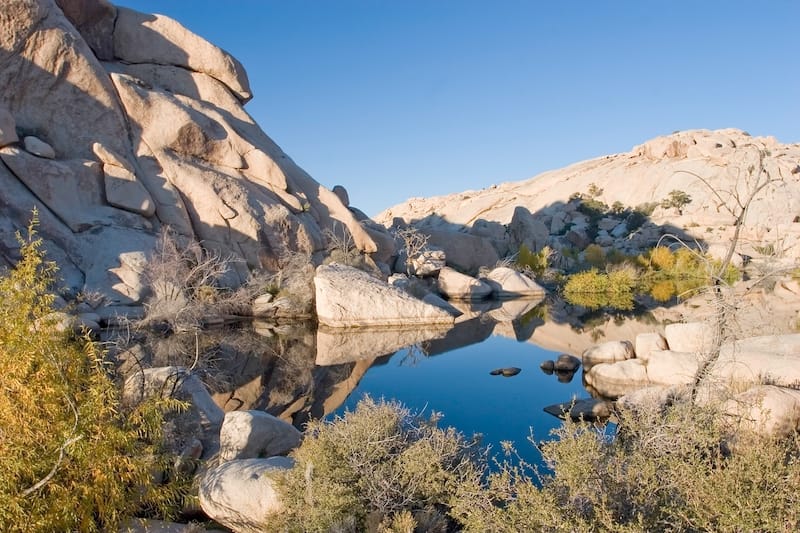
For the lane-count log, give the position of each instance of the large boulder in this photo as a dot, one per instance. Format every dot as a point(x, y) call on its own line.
point(347, 297)
point(144, 38)
point(697, 337)
point(253, 434)
point(611, 380)
point(241, 494)
point(765, 410)
point(608, 352)
point(508, 283)
point(457, 286)
point(465, 252)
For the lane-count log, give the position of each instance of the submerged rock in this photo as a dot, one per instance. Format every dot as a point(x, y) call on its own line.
point(506, 372)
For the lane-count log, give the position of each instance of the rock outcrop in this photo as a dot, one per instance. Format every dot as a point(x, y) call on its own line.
point(712, 168)
point(129, 123)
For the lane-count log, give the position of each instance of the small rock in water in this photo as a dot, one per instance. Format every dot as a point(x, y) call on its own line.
point(548, 366)
point(566, 362)
point(506, 372)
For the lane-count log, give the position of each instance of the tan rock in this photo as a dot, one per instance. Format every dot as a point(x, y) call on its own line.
point(94, 19)
point(457, 286)
point(253, 434)
point(695, 337)
point(646, 344)
point(608, 352)
point(508, 283)
point(241, 495)
point(766, 411)
point(670, 367)
point(124, 191)
point(52, 73)
point(647, 173)
point(142, 38)
point(346, 297)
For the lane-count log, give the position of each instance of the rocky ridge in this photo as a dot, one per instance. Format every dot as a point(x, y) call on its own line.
point(716, 169)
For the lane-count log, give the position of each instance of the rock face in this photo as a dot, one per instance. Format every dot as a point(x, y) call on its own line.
point(241, 495)
point(169, 145)
point(347, 297)
point(542, 210)
point(253, 434)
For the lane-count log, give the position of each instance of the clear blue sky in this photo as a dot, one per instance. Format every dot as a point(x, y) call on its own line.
point(402, 98)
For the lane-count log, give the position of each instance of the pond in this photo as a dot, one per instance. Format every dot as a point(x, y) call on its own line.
point(458, 384)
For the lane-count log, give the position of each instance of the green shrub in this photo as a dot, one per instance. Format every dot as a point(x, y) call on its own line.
point(536, 262)
point(662, 471)
point(377, 463)
point(69, 458)
point(593, 289)
point(594, 255)
point(676, 200)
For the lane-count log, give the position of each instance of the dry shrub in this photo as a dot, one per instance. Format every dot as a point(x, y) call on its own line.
point(379, 461)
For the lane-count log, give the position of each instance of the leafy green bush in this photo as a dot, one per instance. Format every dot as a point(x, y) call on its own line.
point(69, 458)
point(536, 262)
point(377, 464)
point(594, 255)
point(676, 200)
point(593, 289)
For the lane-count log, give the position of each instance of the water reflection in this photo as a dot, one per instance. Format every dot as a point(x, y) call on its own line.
point(298, 371)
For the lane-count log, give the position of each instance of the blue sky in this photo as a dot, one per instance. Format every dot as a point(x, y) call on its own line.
point(394, 99)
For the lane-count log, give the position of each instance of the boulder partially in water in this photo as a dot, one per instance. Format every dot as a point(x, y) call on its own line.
point(348, 297)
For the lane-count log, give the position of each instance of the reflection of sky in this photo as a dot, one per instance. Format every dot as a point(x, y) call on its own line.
point(458, 385)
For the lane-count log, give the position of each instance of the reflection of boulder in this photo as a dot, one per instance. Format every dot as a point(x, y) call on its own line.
point(335, 346)
point(512, 309)
point(527, 316)
point(332, 385)
point(463, 334)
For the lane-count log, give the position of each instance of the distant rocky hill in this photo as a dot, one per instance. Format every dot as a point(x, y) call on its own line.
point(712, 172)
point(115, 123)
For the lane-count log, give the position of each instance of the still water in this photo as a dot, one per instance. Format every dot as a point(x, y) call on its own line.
point(458, 384)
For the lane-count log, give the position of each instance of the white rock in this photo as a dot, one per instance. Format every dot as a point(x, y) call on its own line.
point(347, 297)
point(38, 147)
point(697, 337)
point(670, 367)
point(144, 38)
point(508, 283)
point(457, 286)
point(615, 379)
point(241, 495)
point(647, 343)
point(253, 434)
point(608, 352)
point(766, 411)
point(124, 191)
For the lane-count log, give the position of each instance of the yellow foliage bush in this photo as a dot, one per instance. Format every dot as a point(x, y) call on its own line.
point(69, 459)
